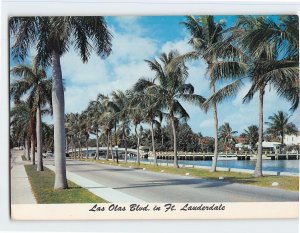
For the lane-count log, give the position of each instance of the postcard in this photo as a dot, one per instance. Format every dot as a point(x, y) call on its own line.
point(154, 117)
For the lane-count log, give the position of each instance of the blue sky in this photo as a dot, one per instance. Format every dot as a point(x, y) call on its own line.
point(139, 38)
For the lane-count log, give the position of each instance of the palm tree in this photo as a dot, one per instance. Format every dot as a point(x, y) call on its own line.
point(268, 66)
point(272, 51)
point(226, 135)
point(152, 111)
point(22, 122)
point(279, 125)
point(95, 110)
point(52, 37)
point(136, 114)
point(120, 101)
point(251, 135)
point(35, 83)
point(205, 35)
point(169, 87)
point(48, 136)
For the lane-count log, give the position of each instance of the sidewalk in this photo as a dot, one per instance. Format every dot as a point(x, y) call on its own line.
point(21, 192)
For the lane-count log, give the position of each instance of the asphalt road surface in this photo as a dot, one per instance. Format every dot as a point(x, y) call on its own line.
point(163, 187)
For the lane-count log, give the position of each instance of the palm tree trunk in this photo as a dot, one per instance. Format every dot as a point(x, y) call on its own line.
point(27, 146)
point(282, 136)
point(175, 143)
point(72, 148)
point(87, 148)
point(39, 141)
point(107, 150)
point(153, 144)
point(258, 167)
point(125, 141)
point(111, 148)
point(215, 158)
point(58, 102)
point(137, 146)
point(97, 145)
point(32, 147)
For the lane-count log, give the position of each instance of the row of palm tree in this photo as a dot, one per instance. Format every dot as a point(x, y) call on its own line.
point(52, 37)
point(256, 49)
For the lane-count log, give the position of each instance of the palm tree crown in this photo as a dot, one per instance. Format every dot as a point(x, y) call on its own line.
point(279, 125)
point(169, 88)
point(226, 135)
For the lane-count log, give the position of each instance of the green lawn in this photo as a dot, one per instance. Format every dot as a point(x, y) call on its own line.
point(24, 158)
point(285, 182)
point(42, 185)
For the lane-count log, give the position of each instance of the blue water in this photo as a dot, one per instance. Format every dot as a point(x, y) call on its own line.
point(268, 165)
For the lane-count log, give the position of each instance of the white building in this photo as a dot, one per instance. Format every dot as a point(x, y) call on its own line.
point(292, 139)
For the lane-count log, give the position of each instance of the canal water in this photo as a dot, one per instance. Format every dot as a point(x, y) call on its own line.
point(268, 165)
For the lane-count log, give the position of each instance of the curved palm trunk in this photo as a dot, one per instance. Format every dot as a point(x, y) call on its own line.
point(137, 146)
point(58, 103)
point(258, 166)
point(97, 145)
point(215, 158)
point(175, 143)
point(153, 144)
point(39, 141)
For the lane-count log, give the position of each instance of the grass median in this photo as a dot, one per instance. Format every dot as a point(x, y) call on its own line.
point(42, 184)
point(285, 182)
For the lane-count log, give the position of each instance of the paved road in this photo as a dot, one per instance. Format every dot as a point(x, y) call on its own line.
point(161, 187)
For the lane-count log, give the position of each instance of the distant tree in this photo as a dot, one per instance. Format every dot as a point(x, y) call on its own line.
point(251, 135)
point(226, 135)
point(279, 125)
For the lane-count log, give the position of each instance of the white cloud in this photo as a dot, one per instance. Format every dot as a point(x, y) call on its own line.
point(130, 24)
point(181, 46)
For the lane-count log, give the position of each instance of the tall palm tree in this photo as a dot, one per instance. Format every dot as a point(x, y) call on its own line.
point(268, 67)
point(34, 83)
point(279, 125)
point(170, 88)
point(52, 37)
point(272, 50)
point(205, 34)
point(251, 135)
point(226, 135)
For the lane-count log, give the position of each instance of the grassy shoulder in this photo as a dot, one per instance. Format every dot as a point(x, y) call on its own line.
point(42, 185)
point(24, 158)
point(285, 182)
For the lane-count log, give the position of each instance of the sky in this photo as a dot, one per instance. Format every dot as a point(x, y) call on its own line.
point(136, 38)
